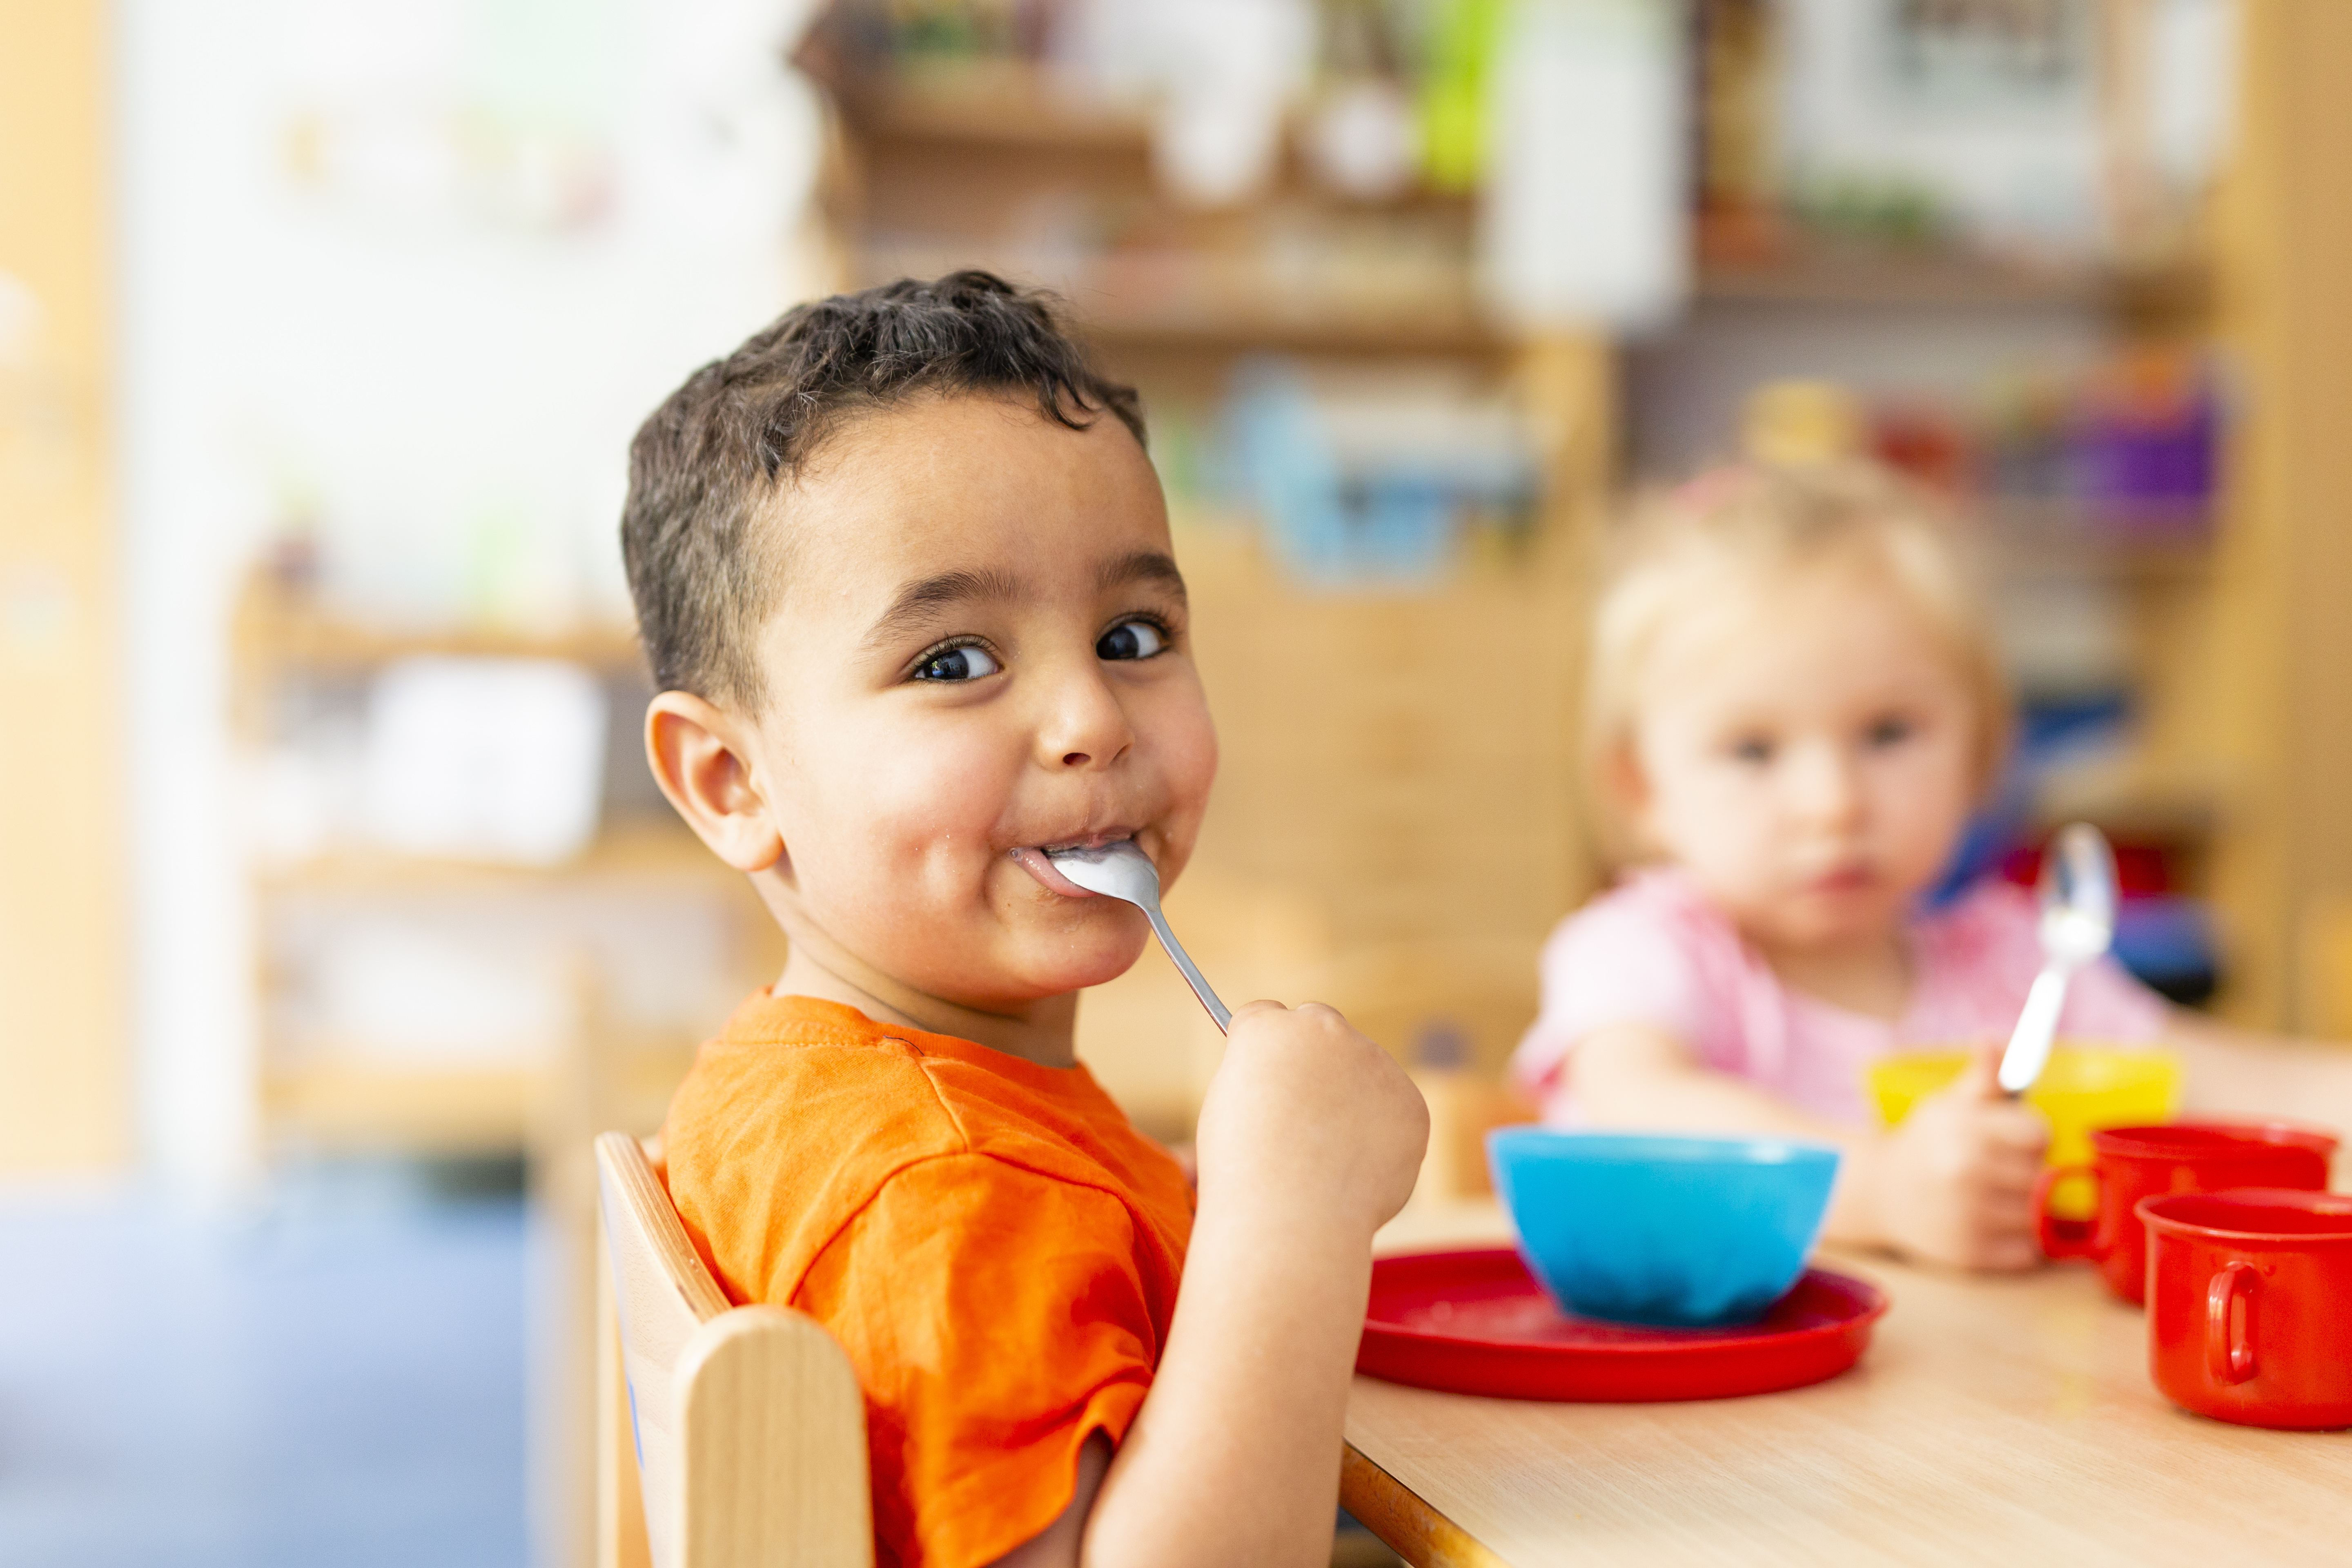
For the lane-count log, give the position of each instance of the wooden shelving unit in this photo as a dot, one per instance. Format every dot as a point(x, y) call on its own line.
point(326, 1094)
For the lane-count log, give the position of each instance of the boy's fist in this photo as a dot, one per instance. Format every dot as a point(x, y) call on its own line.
point(1307, 1110)
point(1957, 1180)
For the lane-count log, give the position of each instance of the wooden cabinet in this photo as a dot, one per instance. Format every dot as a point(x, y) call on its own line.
point(2281, 649)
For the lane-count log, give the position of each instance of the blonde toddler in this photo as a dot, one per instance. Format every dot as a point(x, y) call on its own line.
point(1793, 703)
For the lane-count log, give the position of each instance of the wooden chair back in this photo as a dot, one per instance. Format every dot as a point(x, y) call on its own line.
point(730, 1436)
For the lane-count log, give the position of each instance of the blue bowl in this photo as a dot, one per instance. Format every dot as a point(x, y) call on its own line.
point(1682, 1232)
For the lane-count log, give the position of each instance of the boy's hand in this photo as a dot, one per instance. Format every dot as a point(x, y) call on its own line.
point(1307, 1112)
point(1956, 1183)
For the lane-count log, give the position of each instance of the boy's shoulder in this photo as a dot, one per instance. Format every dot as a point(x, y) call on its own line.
point(801, 1112)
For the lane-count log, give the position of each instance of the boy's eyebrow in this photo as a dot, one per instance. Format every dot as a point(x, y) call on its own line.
point(1143, 566)
point(918, 599)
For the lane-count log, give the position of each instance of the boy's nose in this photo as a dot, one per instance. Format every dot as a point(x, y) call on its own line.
point(1084, 727)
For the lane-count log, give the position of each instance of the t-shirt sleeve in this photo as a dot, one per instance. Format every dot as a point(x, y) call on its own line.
point(1616, 962)
point(996, 1318)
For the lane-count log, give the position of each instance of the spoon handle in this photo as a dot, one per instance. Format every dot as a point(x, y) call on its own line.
point(1191, 973)
point(2037, 1025)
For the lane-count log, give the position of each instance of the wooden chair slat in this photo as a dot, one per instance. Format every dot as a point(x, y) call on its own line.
point(774, 1431)
point(733, 1437)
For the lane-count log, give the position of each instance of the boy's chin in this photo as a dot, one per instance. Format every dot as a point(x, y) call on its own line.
point(1054, 963)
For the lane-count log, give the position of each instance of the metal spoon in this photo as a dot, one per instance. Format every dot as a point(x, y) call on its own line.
point(2078, 924)
point(1120, 871)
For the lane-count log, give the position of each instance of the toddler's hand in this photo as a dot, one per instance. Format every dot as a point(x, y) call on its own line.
point(1305, 1111)
point(1956, 1179)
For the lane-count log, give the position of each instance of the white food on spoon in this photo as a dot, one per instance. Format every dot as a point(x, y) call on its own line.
point(1119, 870)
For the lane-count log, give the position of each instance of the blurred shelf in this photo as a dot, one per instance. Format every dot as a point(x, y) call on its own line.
point(2044, 539)
point(1947, 277)
point(1010, 108)
point(350, 1101)
point(999, 105)
point(643, 850)
point(1262, 323)
point(1176, 300)
point(1444, 318)
point(275, 626)
point(343, 1104)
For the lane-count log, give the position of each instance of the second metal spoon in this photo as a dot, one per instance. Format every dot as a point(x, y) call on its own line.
point(2078, 924)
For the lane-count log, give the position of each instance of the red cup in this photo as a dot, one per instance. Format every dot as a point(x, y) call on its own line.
point(2134, 1163)
point(2249, 1305)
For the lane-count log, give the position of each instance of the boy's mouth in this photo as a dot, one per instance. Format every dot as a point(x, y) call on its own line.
point(1037, 860)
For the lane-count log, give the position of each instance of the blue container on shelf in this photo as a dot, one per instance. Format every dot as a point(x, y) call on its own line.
point(1678, 1232)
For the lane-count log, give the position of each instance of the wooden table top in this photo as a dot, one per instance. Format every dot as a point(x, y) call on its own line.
point(1993, 1419)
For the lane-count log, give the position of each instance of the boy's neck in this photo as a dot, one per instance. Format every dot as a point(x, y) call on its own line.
point(1044, 1033)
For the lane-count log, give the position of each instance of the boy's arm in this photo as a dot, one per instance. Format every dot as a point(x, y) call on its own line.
point(1309, 1139)
point(1953, 1185)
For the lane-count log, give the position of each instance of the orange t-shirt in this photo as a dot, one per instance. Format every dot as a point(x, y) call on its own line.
point(993, 1245)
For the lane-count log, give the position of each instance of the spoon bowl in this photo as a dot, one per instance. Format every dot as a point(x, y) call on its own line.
point(1120, 871)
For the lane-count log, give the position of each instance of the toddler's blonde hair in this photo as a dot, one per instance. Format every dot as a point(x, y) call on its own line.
point(1751, 522)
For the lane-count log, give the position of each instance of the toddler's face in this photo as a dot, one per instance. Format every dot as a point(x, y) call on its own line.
point(981, 651)
point(1806, 748)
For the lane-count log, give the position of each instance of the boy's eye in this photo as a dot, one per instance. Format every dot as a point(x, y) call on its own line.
point(1131, 639)
point(965, 663)
point(1755, 750)
point(1889, 731)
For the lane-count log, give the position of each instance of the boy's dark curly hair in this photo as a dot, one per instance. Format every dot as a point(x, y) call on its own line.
point(703, 571)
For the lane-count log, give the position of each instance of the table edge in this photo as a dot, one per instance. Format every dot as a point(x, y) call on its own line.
point(1403, 1518)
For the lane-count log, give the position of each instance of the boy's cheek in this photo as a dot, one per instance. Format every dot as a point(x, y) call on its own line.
point(896, 837)
point(1192, 773)
point(1184, 734)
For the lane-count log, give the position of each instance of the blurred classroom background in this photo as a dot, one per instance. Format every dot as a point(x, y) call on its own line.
point(337, 908)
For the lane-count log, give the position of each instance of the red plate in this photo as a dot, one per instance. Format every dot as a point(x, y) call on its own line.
point(1478, 1322)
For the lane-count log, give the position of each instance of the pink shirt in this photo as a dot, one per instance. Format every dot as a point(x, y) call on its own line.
point(1654, 950)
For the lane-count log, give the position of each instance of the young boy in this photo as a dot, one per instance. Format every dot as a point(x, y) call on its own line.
point(903, 572)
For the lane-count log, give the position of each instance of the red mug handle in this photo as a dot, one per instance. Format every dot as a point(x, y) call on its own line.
point(2064, 1237)
point(2229, 1357)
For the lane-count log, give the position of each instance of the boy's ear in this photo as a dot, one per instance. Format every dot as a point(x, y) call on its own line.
point(701, 758)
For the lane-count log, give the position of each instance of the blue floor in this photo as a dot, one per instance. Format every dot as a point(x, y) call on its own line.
point(331, 1374)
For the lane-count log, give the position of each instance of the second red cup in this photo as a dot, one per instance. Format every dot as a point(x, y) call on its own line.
point(2249, 1305)
point(2129, 1163)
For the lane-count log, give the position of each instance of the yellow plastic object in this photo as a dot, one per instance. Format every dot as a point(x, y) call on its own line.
point(1797, 424)
point(2084, 1086)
